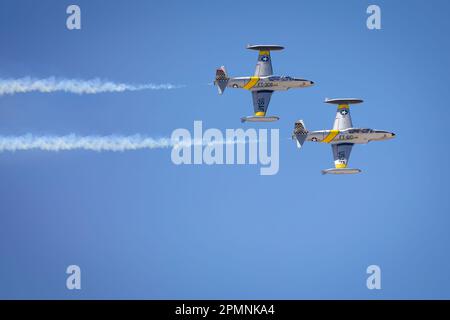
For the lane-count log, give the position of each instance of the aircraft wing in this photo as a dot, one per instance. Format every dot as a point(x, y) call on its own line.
point(264, 64)
point(261, 101)
point(343, 119)
point(341, 154)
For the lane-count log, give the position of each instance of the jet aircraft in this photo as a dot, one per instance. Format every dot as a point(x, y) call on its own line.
point(342, 137)
point(262, 84)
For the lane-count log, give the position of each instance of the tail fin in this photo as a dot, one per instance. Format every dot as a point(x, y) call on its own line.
point(221, 79)
point(300, 133)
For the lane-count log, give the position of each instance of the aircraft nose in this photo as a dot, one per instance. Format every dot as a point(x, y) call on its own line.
point(392, 134)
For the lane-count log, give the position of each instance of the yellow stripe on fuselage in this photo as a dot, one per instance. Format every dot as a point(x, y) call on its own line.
point(264, 53)
point(260, 114)
point(343, 106)
point(251, 83)
point(331, 136)
point(340, 165)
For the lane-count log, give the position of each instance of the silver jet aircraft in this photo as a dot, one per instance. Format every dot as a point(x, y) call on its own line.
point(342, 137)
point(262, 84)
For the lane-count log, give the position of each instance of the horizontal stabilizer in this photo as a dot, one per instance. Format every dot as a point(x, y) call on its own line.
point(340, 171)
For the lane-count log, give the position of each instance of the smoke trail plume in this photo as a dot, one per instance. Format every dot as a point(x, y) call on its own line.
point(93, 143)
point(52, 84)
point(74, 142)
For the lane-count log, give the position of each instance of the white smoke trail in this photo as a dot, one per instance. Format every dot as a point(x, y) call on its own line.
point(94, 143)
point(74, 142)
point(52, 84)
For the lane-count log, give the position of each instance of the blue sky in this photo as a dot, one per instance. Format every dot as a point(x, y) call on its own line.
point(141, 227)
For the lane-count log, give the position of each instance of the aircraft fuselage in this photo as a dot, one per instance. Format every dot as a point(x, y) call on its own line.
point(272, 83)
point(351, 135)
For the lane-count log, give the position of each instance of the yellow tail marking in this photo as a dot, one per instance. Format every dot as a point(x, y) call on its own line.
point(251, 83)
point(264, 53)
point(331, 136)
point(343, 106)
point(340, 165)
point(260, 114)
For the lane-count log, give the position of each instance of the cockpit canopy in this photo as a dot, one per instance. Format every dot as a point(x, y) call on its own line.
point(365, 130)
point(282, 78)
point(361, 130)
